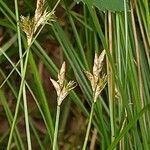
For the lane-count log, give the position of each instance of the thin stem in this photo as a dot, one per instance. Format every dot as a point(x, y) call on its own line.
point(56, 128)
point(56, 5)
point(21, 87)
point(26, 118)
point(13, 65)
point(88, 128)
point(19, 35)
point(126, 40)
point(138, 58)
point(18, 99)
point(111, 79)
point(142, 33)
point(24, 88)
point(15, 68)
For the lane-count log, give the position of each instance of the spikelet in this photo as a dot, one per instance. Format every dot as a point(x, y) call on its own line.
point(98, 61)
point(61, 75)
point(39, 10)
point(60, 87)
point(30, 25)
point(97, 83)
point(100, 86)
point(27, 26)
point(91, 79)
point(65, 91)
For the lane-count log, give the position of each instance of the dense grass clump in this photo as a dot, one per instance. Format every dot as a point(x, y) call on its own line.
point(74, 74)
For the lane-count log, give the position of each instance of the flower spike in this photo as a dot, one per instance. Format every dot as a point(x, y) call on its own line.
point(97, 83)
point(60, 87)
point(30, 25)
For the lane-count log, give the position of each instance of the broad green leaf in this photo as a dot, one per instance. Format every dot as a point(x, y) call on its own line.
point(111, 5)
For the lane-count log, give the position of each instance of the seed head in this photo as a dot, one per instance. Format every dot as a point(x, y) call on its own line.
point(60, 87)
point(41, 16)
point(61, 75)
point(27, 26)
point(97, 83)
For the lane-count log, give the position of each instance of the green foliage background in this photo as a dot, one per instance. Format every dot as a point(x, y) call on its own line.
point(121, 117)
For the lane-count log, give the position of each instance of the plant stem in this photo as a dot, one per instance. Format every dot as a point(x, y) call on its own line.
point(18, 99)
point(56, 128)
point(88, 128)
point(21, 89)
point(126, 41)
point(24, 88)
point(55, 5)
point(110, 78)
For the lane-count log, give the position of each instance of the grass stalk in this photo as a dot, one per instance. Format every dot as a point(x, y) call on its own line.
point(10, 116)
point(21, 89)
point(20, 94)
point(137, 57)
point(110, 79)
point(126, 41)
point(88, 127)
point(18, 99)
point(16, 135)
point(56, 128)
point(24, 88)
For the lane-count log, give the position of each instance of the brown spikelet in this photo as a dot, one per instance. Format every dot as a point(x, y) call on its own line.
point(97, 83)
point(27, 26)
point(60, 87)
point(61, 75)
point(30, 25)
point(39, 10)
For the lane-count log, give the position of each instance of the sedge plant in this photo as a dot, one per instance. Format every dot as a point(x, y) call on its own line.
point(126, 118)
point(30, 27)
point(98, 83)
point(62, 90)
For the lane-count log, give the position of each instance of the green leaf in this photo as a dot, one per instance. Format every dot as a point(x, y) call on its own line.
point(111, 5)
point(128, 127)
